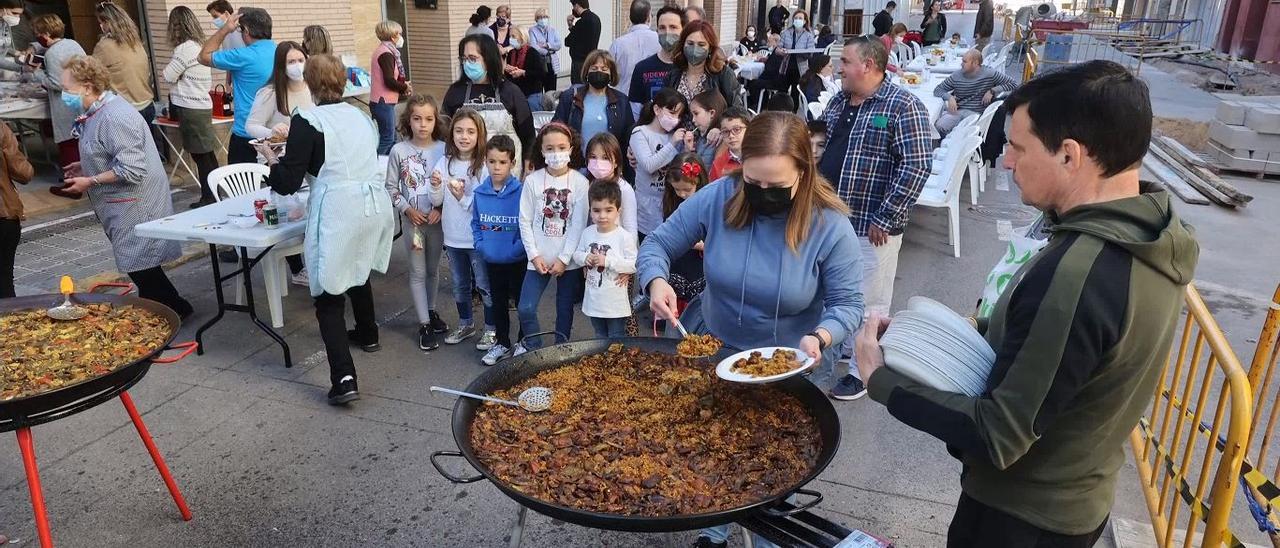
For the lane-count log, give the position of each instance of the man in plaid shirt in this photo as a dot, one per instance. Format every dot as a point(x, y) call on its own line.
point(878, 156)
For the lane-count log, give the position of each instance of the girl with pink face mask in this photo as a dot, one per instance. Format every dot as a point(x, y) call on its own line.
point(657, 138)
point(604, 164)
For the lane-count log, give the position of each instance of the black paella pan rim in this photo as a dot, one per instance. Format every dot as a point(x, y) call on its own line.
point(515, 370)
point(72, 398)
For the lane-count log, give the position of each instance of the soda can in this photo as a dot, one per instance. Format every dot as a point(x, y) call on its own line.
point(271, 216)
point(257, 208)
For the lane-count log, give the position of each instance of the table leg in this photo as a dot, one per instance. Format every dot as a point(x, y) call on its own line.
point(247, 265)
point(272, 276)
point(155, 455)
point(217, 291)
point(178, 152)
point(27, 445)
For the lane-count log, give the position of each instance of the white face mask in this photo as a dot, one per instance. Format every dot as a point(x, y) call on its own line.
point(399, 42)
point(514, 42)
point(12, 20)
point(751, 35)
point(557, 160)
point(294, 71)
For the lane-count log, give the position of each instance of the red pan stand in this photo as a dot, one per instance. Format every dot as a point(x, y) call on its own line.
point(27, 445)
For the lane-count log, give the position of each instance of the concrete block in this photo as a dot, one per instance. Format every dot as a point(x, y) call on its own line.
point(1241, 160)
point(1274, 167)
point(1263, 119)
point(1242, 137)
point(1232, 112)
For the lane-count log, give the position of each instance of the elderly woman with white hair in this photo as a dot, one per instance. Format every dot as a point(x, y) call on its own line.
point(121, 172)
point(388, 82)
point(546, 40)
point(526, 68)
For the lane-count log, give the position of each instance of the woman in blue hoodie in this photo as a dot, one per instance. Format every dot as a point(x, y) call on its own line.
point(800, 282)
point(787, 267)
point(495, 227)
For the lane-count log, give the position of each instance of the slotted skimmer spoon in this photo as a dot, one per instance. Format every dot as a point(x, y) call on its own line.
point(66, 311)
point(533, 399)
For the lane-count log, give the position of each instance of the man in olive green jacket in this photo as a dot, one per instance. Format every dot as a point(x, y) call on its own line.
point(1080, 334)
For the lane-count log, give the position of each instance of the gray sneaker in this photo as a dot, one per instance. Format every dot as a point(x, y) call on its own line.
point(518, 350)
point(848, 388)
point(494, 355)
point(462, 333)
point(487, 340)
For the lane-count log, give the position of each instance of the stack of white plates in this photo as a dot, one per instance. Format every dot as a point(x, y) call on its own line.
point(934, 346)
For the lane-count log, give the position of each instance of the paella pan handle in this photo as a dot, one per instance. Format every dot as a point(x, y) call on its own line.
point(448, 476)
point(128, 287)
point(187, 349)
point(817, 499)
point(539, 334)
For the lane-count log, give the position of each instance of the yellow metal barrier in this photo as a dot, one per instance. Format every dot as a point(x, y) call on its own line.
point(1180, 453)
point(1262, 370)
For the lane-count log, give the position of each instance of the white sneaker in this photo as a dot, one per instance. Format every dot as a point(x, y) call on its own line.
point(487, 340)
point(494, 355)
point(300, 278)
point(518, 350)
point(462, 333)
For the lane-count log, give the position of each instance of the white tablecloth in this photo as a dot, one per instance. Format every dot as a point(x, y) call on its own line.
point(952, 63)
point(23, 106)
point(750, 70)
point(924, 92)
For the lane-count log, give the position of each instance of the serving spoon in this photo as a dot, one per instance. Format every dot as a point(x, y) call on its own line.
point(66, 311)
point(533, 399)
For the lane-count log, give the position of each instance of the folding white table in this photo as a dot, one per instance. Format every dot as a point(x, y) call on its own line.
point(934, 104)
point(218, 224)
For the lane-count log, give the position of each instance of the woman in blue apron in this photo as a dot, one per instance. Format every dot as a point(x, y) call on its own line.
point(333, 147)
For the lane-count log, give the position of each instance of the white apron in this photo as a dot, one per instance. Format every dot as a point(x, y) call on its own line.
point(350, 221)
point(497, 121)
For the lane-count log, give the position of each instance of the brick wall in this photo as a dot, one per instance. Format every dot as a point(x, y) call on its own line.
point(288, 18)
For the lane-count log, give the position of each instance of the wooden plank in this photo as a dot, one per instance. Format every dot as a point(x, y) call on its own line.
point(1171, 181)
point(1192, 179)
point(1189, 161)
point(1176, 147)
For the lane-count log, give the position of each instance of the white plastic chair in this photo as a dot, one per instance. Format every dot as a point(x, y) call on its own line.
point(978, 176)
point(541, 117)
point(240, 179)
point(893, 59)
point(916, 50)
point(942, 189)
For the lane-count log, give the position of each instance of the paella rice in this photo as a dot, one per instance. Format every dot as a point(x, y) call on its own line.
point(698, 346)
point(647, 434)
point(40, 354)
point(756, 365)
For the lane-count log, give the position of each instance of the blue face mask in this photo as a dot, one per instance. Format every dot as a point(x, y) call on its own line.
point(73, 102)
point(218, 23)
point(544, 22)
point(474, 70)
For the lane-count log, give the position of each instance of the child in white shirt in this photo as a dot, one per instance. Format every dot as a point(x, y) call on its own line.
point(453, 185)
point(607, 251)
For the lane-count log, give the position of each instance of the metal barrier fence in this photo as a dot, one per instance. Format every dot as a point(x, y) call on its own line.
point(1180, 452)
point(1261, 485)
point(1127, 41)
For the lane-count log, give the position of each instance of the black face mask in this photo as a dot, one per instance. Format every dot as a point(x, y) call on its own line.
point(597, 79)
point(767, 201)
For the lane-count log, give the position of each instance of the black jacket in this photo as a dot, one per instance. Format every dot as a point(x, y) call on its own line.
point(618, 111)
point(883, 23)
point(584, 37)
point(985, 25)
point(942, 29)
point(778, 18)
point(726, 82)
point(535, 70)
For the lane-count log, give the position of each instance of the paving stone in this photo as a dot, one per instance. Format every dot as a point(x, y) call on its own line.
point(1232, 112)
point(1263, 119)
point(1242, 137)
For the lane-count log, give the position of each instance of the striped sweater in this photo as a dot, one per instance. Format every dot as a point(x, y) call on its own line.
point(191, 80)
point(968, 89)
point(1080, 338)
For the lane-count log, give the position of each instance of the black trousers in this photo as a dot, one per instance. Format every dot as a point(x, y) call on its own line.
point(239, 151)
point(154, 285)
point(575, 71)
point(331, 314)
point(978, 525)
point(10, 234)
point(505, 281)
point(149, 114)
